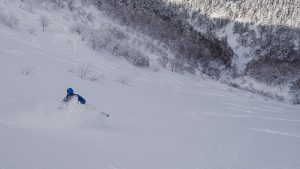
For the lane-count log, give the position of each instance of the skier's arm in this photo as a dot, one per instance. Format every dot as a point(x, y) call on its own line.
point(81, 99)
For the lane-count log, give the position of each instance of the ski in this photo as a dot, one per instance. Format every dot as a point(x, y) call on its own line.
point(106, 114)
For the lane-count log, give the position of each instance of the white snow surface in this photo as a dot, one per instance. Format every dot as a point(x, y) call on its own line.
point(159, 120)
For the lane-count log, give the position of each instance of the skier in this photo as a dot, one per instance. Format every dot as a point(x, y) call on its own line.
point(71, 95)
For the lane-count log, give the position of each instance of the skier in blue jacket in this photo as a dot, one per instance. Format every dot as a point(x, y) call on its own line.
point(71, 95)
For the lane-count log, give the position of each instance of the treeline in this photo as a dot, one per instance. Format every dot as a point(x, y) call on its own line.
point(168, 23)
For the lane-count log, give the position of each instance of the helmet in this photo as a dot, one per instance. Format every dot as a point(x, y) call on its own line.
point(70, 91)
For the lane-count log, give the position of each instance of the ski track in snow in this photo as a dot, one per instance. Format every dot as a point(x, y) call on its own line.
point(275, 132)
point(14, 37)
point(241, 110)
point(47, 54)
point(253, 108)
point(248, 117)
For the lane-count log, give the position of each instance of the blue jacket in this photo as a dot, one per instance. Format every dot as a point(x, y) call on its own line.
point(69, 97)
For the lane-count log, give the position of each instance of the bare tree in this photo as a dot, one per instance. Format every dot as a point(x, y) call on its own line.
point(27, 71)
point(295, 92)
point(45, 22)
point(84, 71)
point(71, 5)
point(163, 61)
point(177, 64)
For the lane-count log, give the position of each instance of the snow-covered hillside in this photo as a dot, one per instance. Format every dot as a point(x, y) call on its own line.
point(159, 119)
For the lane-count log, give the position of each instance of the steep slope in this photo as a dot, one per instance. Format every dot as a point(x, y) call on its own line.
point(159, 120)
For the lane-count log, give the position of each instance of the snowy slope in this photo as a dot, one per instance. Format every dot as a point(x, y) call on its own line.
point(159, 120)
